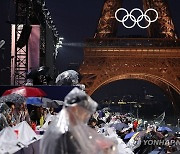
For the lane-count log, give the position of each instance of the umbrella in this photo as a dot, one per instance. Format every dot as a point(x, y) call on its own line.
point(44, 102)
point(128, 136)
point(13, 98)
point(69, 77)
point(119, 126)
point(59, 102)
point(164, 129)
point(26, 92)
point(34, 101)
point(51, 103)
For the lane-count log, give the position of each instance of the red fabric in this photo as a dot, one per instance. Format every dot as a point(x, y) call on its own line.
point(26, 92)
point(135, 124)
point(33, 126)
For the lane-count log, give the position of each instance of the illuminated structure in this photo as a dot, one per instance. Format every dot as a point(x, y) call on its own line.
point(155, 59)
point(30, 13)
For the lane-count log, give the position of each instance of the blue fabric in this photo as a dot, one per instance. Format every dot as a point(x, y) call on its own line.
point(34, 101)
point(128, 136)
point(164, 129)
point(101, 114)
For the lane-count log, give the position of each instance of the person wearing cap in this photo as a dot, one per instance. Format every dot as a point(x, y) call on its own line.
point(69, 133)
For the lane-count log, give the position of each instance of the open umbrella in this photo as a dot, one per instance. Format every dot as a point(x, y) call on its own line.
point(128, 136)
point(13, 98)
point(163, 128)
point(26, 92)
point(119, 126)
point(51, 103)
point(34, 101)
point(44, 102)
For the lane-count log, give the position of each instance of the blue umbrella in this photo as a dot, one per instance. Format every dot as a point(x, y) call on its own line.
point(37, 101)
point(164, 129)
point(44, 102)
point(128, 136)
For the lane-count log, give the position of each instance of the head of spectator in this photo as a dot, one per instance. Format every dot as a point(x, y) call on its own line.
point(80, 106)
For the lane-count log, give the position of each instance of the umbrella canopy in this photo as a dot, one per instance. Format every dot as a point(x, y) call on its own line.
point(69, 77)
point(34, 101)
point(50, 103)
point(44, 102)
point(164, 129)
point(59, 102)
point(128, 136)
point(119, 126)
point(26, 92)
point(13, 98)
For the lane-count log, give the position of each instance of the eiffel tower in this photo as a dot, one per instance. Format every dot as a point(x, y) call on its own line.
point(155, 59)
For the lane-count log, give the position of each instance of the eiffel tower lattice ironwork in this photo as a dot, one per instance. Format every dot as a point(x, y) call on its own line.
point(155, 59)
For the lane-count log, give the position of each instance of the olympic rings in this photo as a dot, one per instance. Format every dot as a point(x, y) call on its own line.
point(133, 18)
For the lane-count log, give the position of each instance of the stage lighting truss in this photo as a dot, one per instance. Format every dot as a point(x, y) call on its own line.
point(44, 16)
point(51, 25)
point(58, 45)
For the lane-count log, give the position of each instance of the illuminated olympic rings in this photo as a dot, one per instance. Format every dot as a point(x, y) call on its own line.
point(133, 18)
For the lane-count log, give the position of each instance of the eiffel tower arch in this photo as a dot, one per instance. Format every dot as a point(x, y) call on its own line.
point(155, 59)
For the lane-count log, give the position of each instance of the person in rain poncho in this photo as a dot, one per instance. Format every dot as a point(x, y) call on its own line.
point(4, 113)
point(3, 122)
point(69, 78)
point(69, 133)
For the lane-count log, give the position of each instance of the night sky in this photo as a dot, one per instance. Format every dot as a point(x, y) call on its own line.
point(76, 21)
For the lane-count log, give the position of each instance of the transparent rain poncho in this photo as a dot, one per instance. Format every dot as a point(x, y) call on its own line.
point(4, 110)
point(69, 133)
point(69, 77)
point(14, 98)
point(3, 122)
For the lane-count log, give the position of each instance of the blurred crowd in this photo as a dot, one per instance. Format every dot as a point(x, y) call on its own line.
point(79, 128)
point(13, 113)
point(140, 137)
point(78, 124)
